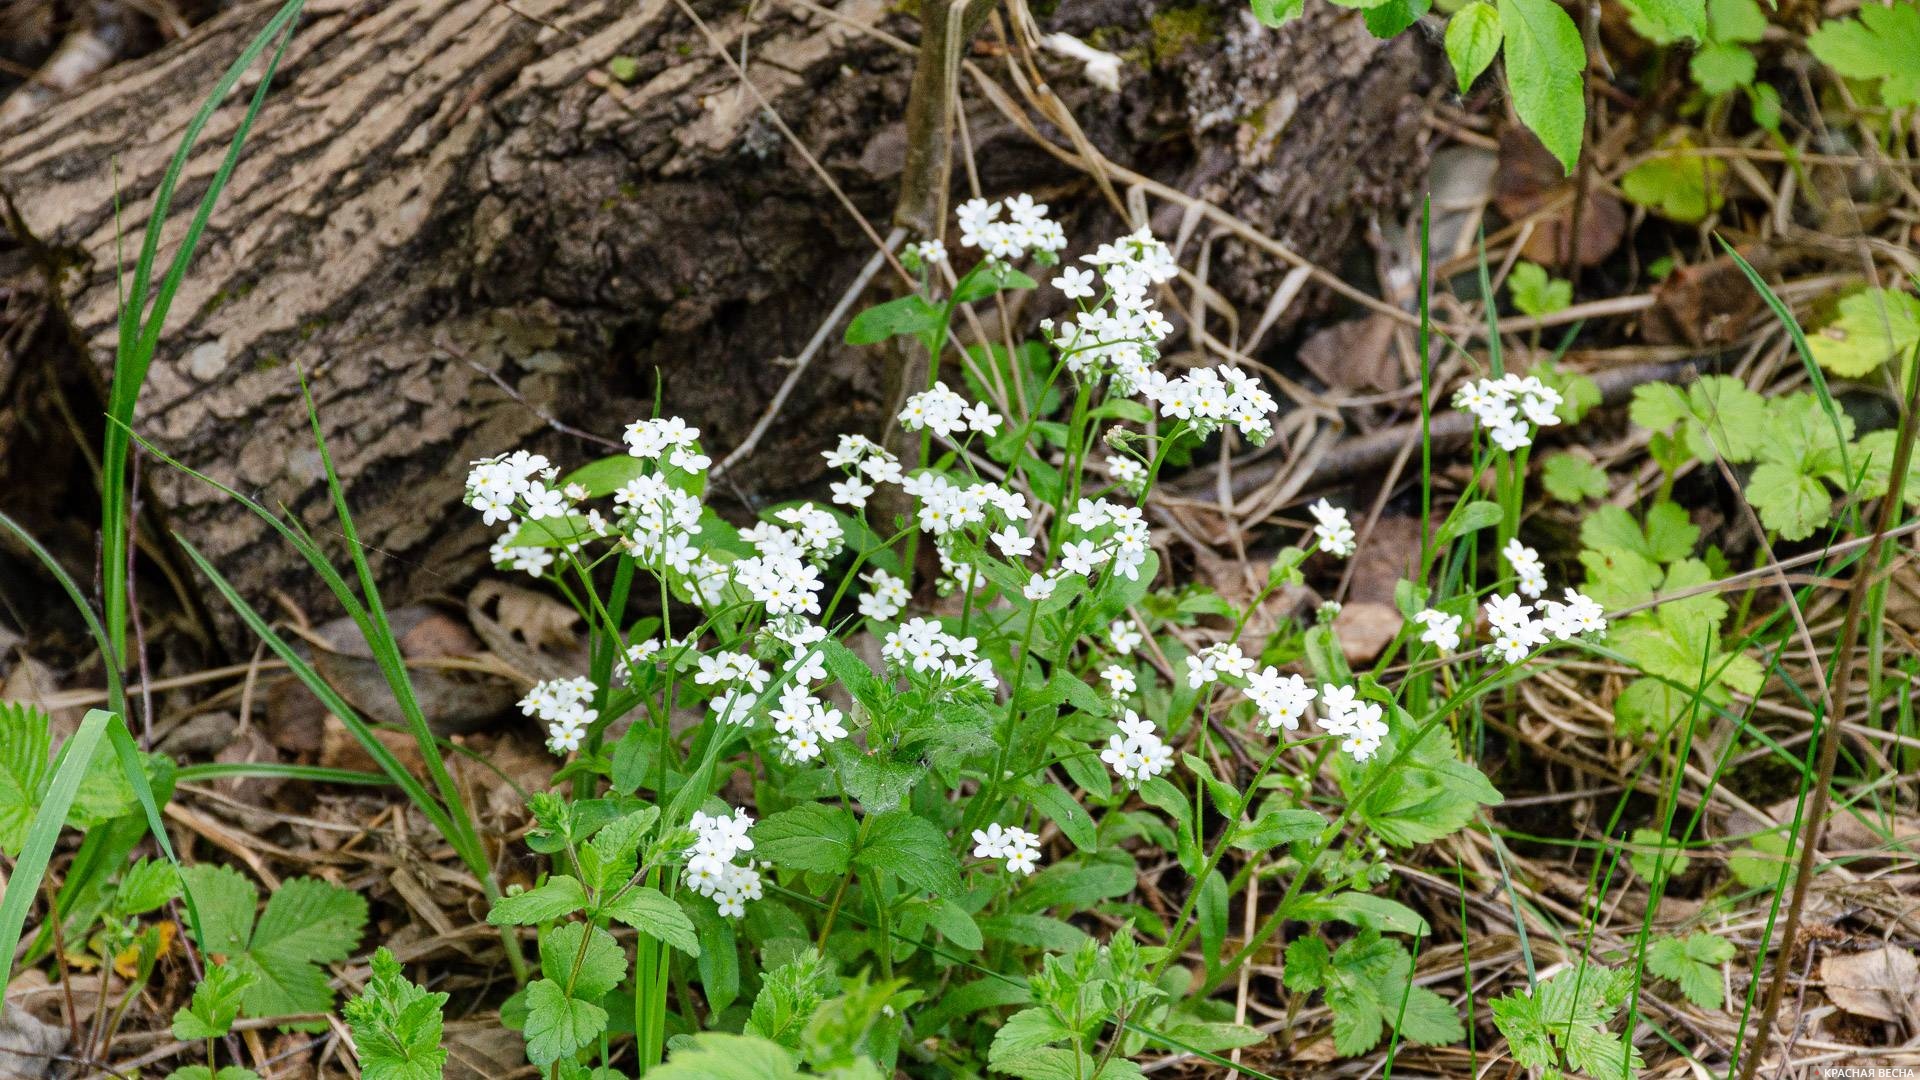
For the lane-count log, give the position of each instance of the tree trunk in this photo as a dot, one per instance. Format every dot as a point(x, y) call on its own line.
point(441, 196)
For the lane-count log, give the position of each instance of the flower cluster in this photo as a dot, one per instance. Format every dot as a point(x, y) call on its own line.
point(1025, 228)
point(1020, 848)
point(1281, 699)
point(499, 487)
point(1526, 566)
point(1215, 660)
point(1439, 629)
point(805, 724)
point(1511, 408)
point(945, 413)
point(1213, 397)
point(1358, 723)
point(1137, 753)
point(922, 647)
point(562, 705)
point(711, 871)
point(886, 595)
point(1332, 529)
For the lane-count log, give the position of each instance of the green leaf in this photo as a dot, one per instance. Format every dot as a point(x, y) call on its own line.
point(25, 743)
point(1469, 518)
point(1535, 292)
point(1277, 12)
point(396, 1025)
point(1572, 478)
point(1060, 808)
point(1389, 19)
point(1736, 21)
point(585, 958)
point(912, 849)
point(651, 912)
point(1694, 964)
point(1473, 40)
point(1648, 863)
point(146, 885)
point(1546, 62)
point(1667, 536)
point(811, 836)
point(1789, 502)
point(1873, 327)
point(907, 315)
point(1677, 184)
point(1667, 21)
point(1277, 827)
point(788, 996)
point(1026, 1030)
point(225, 900)
point(559, 1026)
point(215, 1005)
point(556, 898)
point(1308, 964)
point(955, 924)
point(1722, 67)
point(1429, 794)
point(713, 1055)
point(1716, 417)
point(1880, 44)
point(1760, 864)
point(306, 923)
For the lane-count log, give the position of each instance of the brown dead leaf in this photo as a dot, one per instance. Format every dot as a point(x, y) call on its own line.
point(27, 1044)
point(536, 635)
point(1882, 983)
point(1707, 303)
point(1531, 179)
point(1355, 355)
point(1364, 628)
point(340, 750)
point(453, 701)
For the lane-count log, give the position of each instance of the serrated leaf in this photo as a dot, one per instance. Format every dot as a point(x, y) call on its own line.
point(1028, 1029)
point(25, 743)
point(1667, 21)
point(1722, 67)
point(651, 912)
point(225, 900)
point(1880, 44)
point(1677, 184)
point(714, 1055)
point(306, 923)
point(559, 1026)
point(912, 849)
point(396, 1025)
point(1648, 859)
point(1694, 964)
point(559, 896)
point(811, 836)
point(583, 959)
point(1873, 327)
point(1535, 292)
point(788, 996)
point(1546, 62)
point(146, 885)
point(1789, 502)
point(214, 1006)
point(1571, 478)
point(1472, 41)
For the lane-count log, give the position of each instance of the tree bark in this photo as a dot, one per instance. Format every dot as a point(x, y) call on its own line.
point(441, 196)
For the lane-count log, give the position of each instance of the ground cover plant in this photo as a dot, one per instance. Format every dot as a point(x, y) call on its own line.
point(1033, 744)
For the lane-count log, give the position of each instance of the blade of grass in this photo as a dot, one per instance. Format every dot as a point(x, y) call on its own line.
point(141, 322)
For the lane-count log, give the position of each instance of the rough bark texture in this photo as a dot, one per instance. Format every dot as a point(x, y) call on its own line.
point(441, 188)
